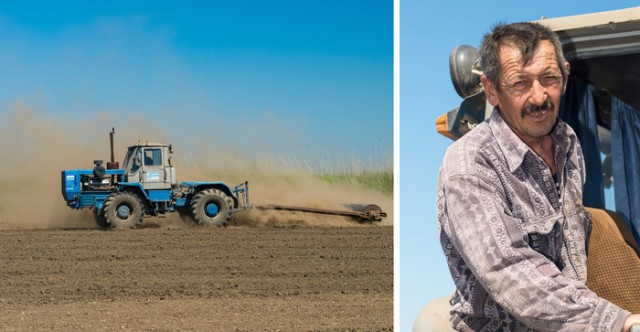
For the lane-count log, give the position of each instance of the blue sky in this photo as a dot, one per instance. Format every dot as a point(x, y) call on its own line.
point(289, 77)
point(429, 30)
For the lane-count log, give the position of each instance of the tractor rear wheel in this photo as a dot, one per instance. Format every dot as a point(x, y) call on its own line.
point(210, 207)
point(123, 210)
point(98, 216)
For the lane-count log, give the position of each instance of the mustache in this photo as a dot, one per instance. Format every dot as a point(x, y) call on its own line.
point(547, 105)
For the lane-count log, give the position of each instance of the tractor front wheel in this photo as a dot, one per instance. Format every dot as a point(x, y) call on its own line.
point(210, 207)
point(123, 210)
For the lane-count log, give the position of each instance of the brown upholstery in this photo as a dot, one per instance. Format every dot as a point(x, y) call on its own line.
point(614, 261)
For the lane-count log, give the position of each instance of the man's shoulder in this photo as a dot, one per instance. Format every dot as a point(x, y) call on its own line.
point(472, 149)
point(474, 140)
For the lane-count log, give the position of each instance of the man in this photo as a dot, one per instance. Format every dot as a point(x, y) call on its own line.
point(511, 220)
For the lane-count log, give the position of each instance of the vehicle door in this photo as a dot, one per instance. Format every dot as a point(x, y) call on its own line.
point(154, 172)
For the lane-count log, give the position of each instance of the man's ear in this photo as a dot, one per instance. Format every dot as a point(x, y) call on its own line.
point(567, 66)
point(489, 91)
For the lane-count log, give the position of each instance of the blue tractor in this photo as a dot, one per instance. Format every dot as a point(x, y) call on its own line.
point(147, 186)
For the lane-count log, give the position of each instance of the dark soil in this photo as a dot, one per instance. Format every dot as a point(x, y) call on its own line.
point(164, 279)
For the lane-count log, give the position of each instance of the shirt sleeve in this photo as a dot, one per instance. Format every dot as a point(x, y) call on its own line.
point(521, 280)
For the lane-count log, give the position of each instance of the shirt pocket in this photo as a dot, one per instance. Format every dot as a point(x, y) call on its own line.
point(546, 237)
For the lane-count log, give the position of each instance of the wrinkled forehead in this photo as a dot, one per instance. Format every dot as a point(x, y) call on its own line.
point(514, 55)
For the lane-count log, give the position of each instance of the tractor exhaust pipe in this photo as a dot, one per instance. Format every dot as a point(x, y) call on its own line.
point(112, 164)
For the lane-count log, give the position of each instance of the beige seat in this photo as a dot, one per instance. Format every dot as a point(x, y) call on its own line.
point(434, 317)
point(613, 264)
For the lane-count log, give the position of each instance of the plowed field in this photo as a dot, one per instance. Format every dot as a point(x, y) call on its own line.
point(161, 278)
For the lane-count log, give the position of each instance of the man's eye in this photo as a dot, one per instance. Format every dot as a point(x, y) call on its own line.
point(550, 80)
point(520, 84)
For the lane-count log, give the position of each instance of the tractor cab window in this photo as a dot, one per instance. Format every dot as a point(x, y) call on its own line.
point(137, 161)
point(127, 159)
point(132, 161)
point(153, 157)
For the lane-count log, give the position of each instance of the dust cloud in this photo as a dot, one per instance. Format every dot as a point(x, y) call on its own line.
point(305, 190)
point(36, 149)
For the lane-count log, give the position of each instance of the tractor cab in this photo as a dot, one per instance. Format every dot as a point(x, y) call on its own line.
point(150, 165)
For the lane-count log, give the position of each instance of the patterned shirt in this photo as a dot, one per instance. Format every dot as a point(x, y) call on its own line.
point(514, 243)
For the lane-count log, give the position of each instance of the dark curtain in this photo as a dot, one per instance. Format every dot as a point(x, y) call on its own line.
point(578, 110)
point(625, 149)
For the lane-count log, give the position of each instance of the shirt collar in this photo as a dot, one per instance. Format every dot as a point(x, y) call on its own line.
point(514, 149)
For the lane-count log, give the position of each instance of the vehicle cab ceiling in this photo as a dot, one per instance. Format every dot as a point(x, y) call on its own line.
point(604, 50)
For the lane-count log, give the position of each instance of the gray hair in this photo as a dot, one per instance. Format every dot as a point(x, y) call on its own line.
point(526, 36)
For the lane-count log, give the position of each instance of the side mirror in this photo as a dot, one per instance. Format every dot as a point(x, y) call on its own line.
point(465, 71)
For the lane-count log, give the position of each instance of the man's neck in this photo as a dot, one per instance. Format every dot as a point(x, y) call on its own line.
point(543, 147)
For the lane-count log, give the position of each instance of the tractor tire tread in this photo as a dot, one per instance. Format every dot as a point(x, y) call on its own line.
point(111, 204)
point(199, 201)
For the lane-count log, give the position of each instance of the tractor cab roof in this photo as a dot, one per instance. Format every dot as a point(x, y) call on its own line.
point(148, 144)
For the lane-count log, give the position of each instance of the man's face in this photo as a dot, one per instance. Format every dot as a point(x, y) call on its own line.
point(529, 95)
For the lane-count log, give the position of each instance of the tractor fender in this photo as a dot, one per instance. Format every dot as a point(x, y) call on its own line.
point(196, 187)
point(199, 186)
point(135, 188)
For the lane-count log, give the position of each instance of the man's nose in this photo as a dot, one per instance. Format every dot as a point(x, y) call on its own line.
point(537, 93)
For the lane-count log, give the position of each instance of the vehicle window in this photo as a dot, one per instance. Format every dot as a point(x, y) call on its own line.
point(153, 157)
point(604, 137)
point(136, 161)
